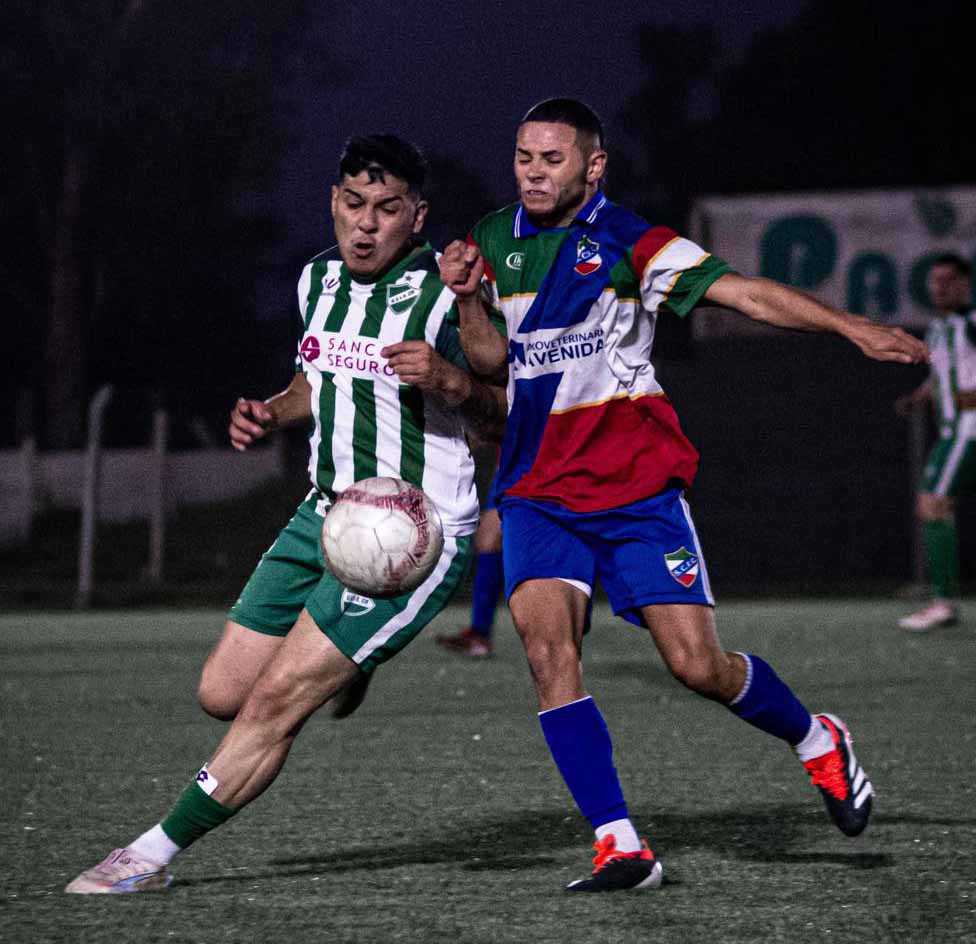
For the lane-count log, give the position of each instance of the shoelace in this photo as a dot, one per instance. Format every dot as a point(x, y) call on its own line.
point(827, 771)
point(607, 851)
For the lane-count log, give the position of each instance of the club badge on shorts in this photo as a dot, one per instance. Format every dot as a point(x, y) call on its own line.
point(587, 256)
point(683, 566)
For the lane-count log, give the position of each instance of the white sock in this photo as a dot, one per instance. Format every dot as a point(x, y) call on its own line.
point(155, 846)
point(623, 832)
point(818, 741)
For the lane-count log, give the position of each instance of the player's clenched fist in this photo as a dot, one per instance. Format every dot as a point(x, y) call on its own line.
point(462, 268)
point(249, 420)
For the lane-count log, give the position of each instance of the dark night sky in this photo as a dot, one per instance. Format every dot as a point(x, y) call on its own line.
point(457, 79)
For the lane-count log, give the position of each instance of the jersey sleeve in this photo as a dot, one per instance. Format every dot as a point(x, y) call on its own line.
point(304, 285)
point(448, 342)
point(673, 271)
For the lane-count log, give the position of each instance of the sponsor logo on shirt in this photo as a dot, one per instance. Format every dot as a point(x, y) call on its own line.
point(683, 566)
point(401, 297)
point(310, 348)
point(540, 355)
point(514, 260)
point(587, 256)
point(352, 604)
point(348, 354)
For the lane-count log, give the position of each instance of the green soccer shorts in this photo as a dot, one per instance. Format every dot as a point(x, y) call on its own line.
point(950, 468)
point(292, 575)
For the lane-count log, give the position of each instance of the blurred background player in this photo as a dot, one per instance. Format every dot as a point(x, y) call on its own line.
point(474, 640)
point(950, 470)
point(594, 463)
point(377, 381)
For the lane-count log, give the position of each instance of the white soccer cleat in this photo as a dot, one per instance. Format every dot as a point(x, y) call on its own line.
point(937, 614)
point(122, 872)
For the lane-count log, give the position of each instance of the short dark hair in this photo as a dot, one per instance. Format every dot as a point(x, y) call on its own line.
point(568, 111)
point(384, 153)
point(953, 259)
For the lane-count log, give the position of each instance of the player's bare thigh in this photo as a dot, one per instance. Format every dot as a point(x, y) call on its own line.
point(931, 507)
point(231, 668)
point(686, 637)
point(549, 615)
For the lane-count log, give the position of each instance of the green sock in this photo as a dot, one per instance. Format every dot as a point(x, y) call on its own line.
point(943, 558)
point(194, 815)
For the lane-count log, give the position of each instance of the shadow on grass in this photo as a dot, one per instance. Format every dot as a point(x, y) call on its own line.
point(762, 834)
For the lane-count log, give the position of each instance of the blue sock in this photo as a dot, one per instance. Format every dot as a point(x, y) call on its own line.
point(767, 703)
point(580, 743)
point(489, 576)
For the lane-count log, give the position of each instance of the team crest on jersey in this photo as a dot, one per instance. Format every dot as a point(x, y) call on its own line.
point(401, 297)
point(683, 566)
point(587, 256)
point(352, 604)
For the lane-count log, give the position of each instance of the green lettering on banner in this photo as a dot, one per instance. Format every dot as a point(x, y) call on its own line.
point(872, 285)
point(918, 289)
point(938, 214)
point(799, 250)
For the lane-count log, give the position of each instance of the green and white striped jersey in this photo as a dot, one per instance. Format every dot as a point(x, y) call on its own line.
point(367, 423)
point(952, 343)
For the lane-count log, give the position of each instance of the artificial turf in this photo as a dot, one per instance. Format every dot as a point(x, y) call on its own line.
point(435, 814)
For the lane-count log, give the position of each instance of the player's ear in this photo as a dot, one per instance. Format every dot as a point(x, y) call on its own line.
point(596, 166)
point(335, 198)
point(419, 215)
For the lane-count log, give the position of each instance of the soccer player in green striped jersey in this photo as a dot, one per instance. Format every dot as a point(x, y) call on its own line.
point(383, 381)
point(951, 467)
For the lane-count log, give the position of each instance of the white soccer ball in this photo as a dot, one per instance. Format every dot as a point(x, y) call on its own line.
point(382, 537)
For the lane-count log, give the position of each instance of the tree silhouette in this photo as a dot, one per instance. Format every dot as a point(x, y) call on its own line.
point(150, 139)
point(850, 94)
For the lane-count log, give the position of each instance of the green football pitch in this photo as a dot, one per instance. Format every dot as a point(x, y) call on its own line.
point(435, 814)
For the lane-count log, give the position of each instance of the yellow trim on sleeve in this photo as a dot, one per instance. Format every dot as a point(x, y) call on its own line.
point(680, 273)
point(658, 253)
point(616, 396)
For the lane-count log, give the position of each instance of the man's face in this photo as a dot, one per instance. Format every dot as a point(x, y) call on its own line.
point(555, 175)
point(375, 214)
point(949, 289)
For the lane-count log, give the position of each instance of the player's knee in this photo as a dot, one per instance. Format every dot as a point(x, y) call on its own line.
point(270, 702)
point(549, 659)
point(217, 701)
point(697, 671)
point(931, 507)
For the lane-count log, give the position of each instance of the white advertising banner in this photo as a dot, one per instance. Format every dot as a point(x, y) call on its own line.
point(868, 251)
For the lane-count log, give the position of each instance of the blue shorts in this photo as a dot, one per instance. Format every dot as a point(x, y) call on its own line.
point(643, 553)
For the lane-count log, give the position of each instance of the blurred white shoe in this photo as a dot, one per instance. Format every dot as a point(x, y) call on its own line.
point(123, 871)
point(938, 613)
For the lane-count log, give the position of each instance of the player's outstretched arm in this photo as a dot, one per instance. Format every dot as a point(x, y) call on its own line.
point(775, 304)
point(484, 406)
point(251, 420)
point(462, 269)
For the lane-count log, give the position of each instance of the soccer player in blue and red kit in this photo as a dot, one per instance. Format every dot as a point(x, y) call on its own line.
point(594, 463)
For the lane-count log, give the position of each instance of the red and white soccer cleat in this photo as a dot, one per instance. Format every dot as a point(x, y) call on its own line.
point(841, 780)
point(615, 871)
point(467, 643)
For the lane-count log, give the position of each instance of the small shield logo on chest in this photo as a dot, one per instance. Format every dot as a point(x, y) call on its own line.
point(400, 298)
